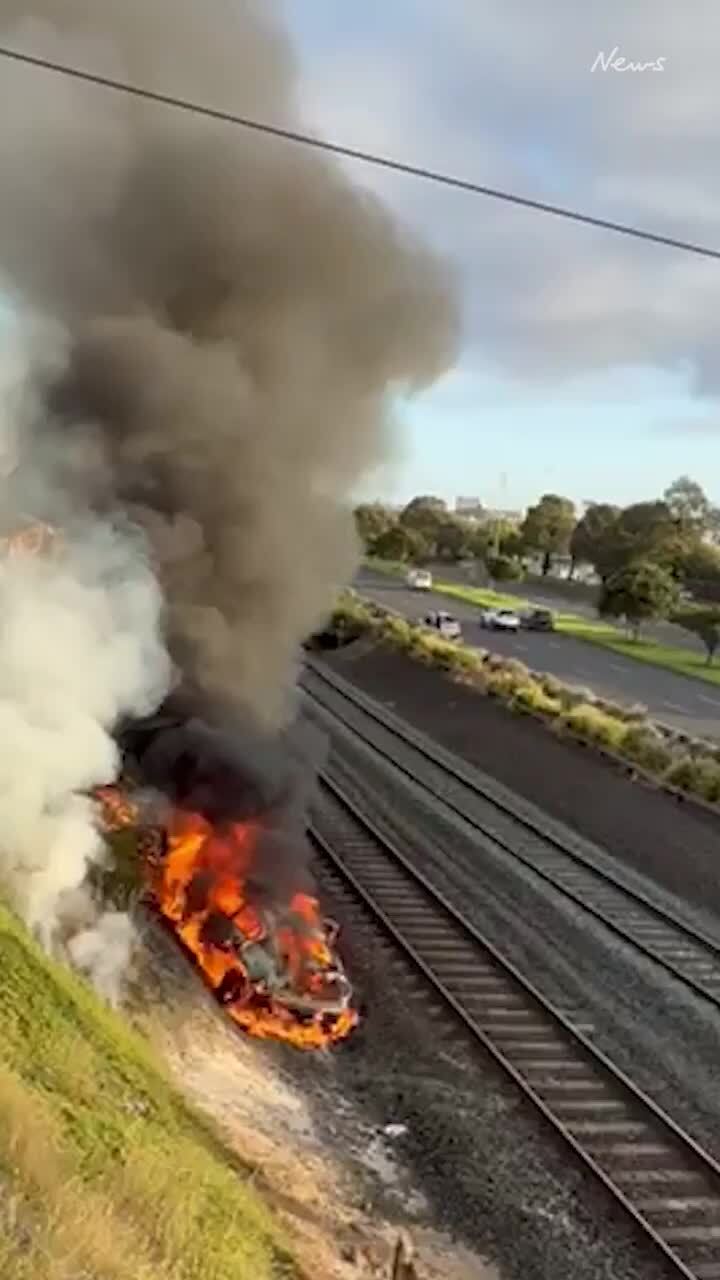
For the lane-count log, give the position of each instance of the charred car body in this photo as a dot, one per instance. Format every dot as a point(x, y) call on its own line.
point(198, 819)
point(273, 964)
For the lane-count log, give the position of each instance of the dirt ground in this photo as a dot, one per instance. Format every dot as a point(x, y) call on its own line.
point(319, 1185)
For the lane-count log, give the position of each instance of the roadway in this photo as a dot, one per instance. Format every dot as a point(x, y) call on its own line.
point(542, 594)
point(679, 701)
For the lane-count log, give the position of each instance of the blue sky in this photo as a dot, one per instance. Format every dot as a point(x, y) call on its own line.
point(481, 439)
point(590, 363)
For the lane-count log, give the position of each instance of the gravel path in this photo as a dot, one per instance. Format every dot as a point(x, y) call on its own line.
point(673, 843)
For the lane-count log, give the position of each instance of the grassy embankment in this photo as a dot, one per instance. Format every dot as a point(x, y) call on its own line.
point(676, 761)
point(105, 1172)
point(683, 662)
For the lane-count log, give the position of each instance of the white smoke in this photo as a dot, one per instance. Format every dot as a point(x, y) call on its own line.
point(80, 646)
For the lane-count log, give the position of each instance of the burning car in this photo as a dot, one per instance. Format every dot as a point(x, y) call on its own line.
point(272, 962)
point(274, 968)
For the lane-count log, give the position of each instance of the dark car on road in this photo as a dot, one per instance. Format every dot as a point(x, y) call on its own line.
point(538, 620)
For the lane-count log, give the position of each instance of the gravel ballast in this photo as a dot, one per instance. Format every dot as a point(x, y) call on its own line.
point(425, 1133)
point(651, 1025)
point(492, 1173)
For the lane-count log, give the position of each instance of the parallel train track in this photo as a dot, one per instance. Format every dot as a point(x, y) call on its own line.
point(524, 835)
point(658, 1173)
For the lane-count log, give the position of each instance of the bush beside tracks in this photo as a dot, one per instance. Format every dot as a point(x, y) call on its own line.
point(677, 761)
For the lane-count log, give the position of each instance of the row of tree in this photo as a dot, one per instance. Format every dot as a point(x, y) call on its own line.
point(644, 554)
point(425, 530)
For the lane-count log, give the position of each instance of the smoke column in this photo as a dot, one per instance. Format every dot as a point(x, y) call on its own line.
point(79, 645)
point(236, 312)
point(218, 319)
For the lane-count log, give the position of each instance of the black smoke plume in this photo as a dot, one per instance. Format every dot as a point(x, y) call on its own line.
point(234, 315)
point(215, 321)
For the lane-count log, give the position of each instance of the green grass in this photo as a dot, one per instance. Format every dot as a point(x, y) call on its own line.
point(681, 661)
point(104, 1169)
point(481, 596)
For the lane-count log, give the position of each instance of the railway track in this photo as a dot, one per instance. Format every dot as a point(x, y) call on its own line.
point(654, 1170)
point(524, 835)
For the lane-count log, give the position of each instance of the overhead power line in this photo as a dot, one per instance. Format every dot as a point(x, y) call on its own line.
point(353, 153)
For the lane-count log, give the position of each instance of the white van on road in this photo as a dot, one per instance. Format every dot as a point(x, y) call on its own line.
point(419, 580)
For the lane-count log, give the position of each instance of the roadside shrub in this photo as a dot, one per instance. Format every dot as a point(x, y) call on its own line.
point(572, 698)
point(350, 620)
point(511, 667)
point(702, 777)
point(468, 663)
point(518, 669)
point(551, 687)
point(681, 773)
point(643, 744)
point(435, 651)
point(504, 682)
point(708, 778)
point(587, 722)
point(699, 750)
point(398, 633)
point(629, 715)
point(532, 697)
point(636, 714)
point(494, 661)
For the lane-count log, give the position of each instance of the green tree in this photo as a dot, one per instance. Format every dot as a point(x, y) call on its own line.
point(511, 542)
point(480, 541)
point(547, 527)
point(504, 568)
point(639, 592)
point(703, 623)
point(452, 539)
point(372, 519)
point(399, 543)
point(593, 538)
point(701, 563)
point(646, 531)
point(688, 504)
point(424, 513)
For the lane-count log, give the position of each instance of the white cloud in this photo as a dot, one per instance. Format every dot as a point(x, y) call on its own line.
point(504, 95)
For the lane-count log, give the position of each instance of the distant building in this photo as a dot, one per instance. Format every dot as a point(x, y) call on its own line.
point(469, 507)
point(513, 518)
point(562, 569)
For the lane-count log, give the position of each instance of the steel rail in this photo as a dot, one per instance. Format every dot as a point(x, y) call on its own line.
point(685, 951)
point(658, 1173)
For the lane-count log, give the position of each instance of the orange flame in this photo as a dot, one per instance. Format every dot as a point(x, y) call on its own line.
point(116, 808)
point(32, 540)
point(275, 972)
